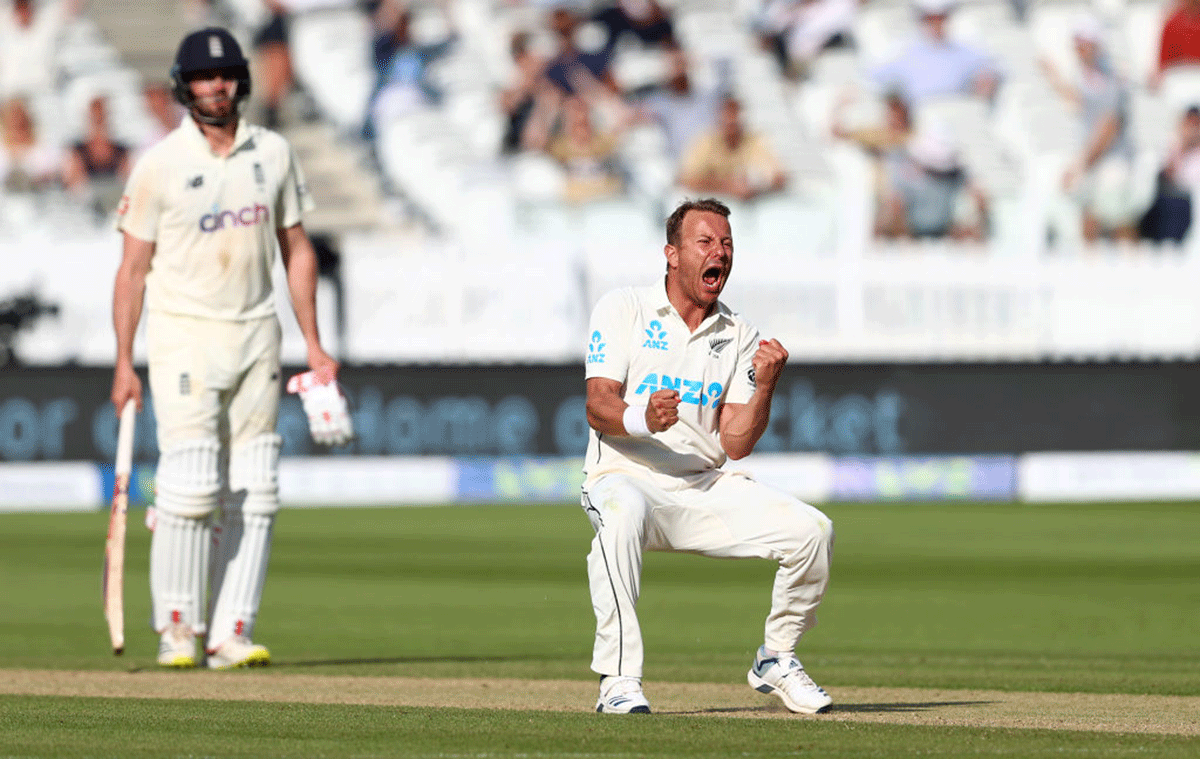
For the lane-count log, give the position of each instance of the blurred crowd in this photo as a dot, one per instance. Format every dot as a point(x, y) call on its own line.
point(582, 81)
point(56, 148)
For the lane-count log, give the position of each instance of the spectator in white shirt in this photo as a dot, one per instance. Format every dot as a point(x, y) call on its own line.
point(798, 30)
point(682, 110)
point(29, 37)
point(1100, 178)
point(934, 65)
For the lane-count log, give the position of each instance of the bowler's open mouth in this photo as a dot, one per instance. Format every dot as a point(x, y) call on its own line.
point(712, 276)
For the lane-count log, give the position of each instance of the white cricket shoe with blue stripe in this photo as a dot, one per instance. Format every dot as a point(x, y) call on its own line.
point(784, 676)
point(622, 695)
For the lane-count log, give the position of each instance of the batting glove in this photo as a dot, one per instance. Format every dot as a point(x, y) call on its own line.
point(325, 404)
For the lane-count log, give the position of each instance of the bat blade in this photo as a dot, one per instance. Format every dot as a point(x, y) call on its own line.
point(114, 544)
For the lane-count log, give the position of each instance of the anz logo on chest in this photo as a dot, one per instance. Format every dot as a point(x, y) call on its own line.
point(690, 391)
point(656, 337)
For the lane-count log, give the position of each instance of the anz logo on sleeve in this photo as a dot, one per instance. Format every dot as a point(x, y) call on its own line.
point(595, 351)
point(690, 391)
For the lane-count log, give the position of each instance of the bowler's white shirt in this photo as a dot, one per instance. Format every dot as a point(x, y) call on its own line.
point(639, 339)
point(213, 220)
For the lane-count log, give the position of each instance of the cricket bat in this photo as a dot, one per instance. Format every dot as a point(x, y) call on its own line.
point(114, 546)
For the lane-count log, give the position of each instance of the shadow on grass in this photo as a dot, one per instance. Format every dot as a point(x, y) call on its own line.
point(918, 706)
point(407, 660)
point(381, 660)
point(773, 708)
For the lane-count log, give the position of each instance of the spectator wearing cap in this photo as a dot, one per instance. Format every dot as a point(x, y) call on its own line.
point(1100, 178)
point(732, 160)
point(934, 65)
point(1179, 44)
point(925, 190)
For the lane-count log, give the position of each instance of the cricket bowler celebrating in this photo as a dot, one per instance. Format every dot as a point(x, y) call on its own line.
point(201, 217)
point(677, 383)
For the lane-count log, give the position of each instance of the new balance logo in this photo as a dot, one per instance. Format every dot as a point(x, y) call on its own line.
point(196, 181)
point(656, 337)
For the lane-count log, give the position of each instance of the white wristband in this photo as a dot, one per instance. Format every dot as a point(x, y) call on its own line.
point(635, 421)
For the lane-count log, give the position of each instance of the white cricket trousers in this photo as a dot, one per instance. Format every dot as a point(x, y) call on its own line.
point(721, 514)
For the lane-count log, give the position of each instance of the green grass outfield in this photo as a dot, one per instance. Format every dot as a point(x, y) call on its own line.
point(1063, 598)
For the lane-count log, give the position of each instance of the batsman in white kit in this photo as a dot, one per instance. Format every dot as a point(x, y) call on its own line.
point(676, 384)
point(202, 215)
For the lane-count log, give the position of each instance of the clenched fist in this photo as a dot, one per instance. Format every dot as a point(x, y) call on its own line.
point(769, 360)
point(663, 410)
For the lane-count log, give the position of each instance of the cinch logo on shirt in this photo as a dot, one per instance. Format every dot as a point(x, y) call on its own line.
point(690, 391)
point(245, 217)
point(657, 337)
point(595, 354)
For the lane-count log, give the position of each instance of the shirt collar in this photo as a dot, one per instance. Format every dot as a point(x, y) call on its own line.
point(242, 138)
point(662, 306)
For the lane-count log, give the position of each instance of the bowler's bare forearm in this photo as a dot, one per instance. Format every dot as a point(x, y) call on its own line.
point(743, 424)
point(605, 406)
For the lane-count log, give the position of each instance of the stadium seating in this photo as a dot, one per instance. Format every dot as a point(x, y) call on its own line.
point(491, 248)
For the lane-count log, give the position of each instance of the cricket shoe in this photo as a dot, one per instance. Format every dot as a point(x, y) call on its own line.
point(177, 647)
point(784, 676)
point(238, 651)
point(622, 695)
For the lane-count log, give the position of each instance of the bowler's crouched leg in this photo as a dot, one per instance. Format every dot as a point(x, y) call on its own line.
point(619, 513)
point(187, 486)
point(243, 543)
point(804, 549)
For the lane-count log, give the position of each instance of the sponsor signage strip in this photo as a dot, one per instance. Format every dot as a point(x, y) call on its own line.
point(433, 480)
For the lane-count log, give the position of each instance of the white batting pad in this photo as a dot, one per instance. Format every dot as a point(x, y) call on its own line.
point(240, 569)
point(325, 404)
point(188, 480)
point(254, 474)
point(243, 538)
point(179, 554)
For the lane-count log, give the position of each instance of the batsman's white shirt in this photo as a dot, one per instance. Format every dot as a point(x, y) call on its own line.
point(213, 220)
point(638, 338)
